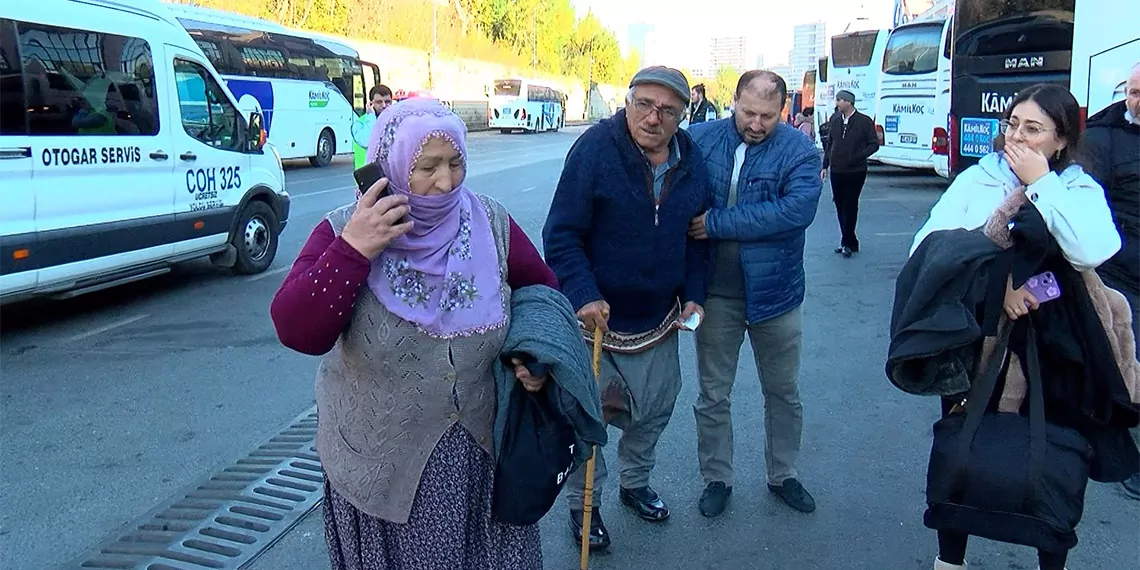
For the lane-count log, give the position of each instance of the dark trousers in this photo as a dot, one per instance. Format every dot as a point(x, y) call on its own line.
point(845, 190)
point(952, 550)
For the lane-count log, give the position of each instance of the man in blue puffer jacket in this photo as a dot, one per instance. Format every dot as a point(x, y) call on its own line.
point(764, 176)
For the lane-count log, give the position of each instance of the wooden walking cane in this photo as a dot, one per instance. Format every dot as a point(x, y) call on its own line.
point(588, 498)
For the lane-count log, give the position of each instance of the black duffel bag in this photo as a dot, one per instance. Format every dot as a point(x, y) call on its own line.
point(536, 457)
point(1004, 476)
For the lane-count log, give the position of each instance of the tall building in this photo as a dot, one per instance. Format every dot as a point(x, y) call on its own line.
point(808, 45)
point(760, 61)
point(785, 71)
point(728, 52)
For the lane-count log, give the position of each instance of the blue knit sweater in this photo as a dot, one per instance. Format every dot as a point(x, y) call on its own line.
point(605, 239)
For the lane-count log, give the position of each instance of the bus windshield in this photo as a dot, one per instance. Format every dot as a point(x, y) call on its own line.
point(913, 49)
point(853, 50)
point(821, 70)
point(508, 88)
point(1013, 27)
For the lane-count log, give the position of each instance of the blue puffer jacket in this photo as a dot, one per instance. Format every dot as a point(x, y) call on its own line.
point(777, 196)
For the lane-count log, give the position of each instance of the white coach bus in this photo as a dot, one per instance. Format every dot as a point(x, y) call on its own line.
point(306, 85)
point(527, 105)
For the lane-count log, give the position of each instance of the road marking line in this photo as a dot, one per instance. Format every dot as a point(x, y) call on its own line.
point(528, 189)
point(318, 193)
point(277, 271)
point(894, 234)
point(107, 327)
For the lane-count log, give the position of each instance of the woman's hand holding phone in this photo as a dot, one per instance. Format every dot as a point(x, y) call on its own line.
point(376, 223)
point(1018, 302)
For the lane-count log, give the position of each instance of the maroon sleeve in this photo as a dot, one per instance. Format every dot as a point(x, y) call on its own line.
point(524, 265)
point(315, 301)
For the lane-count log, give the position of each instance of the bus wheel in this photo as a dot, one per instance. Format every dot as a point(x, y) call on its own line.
point(256, 238)
point(326, 148)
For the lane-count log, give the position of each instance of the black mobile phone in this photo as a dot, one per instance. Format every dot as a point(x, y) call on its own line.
point(367, 175)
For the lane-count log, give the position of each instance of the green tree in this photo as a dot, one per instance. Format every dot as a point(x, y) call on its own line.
point(505, 31)
point(722, 88)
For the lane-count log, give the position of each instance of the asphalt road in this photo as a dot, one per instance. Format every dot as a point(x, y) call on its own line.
point(112, 402)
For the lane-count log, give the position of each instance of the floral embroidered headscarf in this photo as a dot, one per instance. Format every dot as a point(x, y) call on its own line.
point(443, 275)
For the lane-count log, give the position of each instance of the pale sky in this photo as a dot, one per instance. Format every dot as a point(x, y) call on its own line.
point(767, 24)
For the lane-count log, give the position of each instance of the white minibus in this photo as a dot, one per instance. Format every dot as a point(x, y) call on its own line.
point(122, 152)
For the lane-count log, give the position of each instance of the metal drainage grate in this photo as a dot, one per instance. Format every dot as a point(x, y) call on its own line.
point(228, 519)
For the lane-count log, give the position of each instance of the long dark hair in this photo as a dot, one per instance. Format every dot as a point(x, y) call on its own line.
point(1062, 108)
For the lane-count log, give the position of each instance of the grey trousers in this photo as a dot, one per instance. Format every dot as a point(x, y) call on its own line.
point(639, 392)
point(777, 344)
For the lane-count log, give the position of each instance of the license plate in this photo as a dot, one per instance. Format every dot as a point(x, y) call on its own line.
point(507, 111)
point(908, 139)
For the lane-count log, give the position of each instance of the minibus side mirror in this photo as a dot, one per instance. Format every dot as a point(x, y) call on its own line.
point(256, 132)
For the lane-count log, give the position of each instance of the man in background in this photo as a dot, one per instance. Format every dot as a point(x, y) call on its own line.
point(1112, 151)
point(379, 98)
point(700, 110)
point(852, 140)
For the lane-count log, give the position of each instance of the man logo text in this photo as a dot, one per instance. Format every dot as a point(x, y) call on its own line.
point(1024, 62)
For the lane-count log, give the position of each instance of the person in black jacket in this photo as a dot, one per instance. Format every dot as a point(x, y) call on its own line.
point(700, 109)
point(1112, 155)
point(852, 140)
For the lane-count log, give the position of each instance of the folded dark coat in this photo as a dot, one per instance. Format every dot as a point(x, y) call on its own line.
point(544, 329)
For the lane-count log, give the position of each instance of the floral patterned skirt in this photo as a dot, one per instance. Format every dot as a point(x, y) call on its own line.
point(450, 527)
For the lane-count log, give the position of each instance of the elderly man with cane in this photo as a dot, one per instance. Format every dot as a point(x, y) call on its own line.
point(617, 238)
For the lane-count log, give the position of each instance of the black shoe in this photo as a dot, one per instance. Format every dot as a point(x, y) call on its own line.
point(599, 535)
point(847, 252)
point(794, 495)
point(645, 502)
point(1132, 486)
point(714, 499)
point(839, 249)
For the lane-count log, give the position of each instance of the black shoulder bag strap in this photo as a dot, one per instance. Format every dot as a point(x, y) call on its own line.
point(1037, 441)
point(981, 391)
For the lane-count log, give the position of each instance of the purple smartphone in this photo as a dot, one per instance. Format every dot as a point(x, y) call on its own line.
point(1043, 286)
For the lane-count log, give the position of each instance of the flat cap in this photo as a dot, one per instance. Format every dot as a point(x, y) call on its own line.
point(665, 77)
point(845, 95)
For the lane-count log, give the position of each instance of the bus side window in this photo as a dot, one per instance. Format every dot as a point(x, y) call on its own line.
point(207, 114)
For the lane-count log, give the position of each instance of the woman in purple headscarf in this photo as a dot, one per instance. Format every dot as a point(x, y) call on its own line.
point(407, 296)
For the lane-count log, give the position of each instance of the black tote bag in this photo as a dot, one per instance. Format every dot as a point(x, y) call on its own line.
point(1003, 476)
point(536, 457)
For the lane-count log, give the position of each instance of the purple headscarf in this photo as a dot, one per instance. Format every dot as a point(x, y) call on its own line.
point(444, 274)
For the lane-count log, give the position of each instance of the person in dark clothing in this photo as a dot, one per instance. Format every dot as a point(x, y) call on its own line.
point(852, 140)
point(1111, 149)
point(700, 110)
point(617, 238)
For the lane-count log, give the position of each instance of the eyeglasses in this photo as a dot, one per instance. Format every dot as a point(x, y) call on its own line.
point(1029, 130)
point(667, 113)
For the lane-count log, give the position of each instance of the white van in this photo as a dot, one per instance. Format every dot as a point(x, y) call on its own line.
point(121, 152)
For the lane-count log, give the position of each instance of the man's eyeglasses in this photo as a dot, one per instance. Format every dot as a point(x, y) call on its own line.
point(644, 106)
